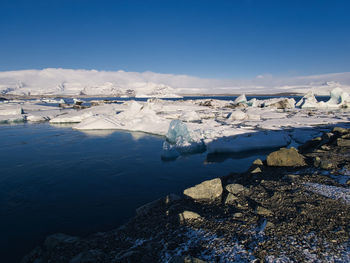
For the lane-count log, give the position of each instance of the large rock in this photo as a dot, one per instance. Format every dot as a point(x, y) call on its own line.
point(210, 189)
point(263, 211)
point(186, 215)
point(343, 143)
point(230, 199)
point(235, 188)
point(341, 130)
point(285, 157)
point(258, 162)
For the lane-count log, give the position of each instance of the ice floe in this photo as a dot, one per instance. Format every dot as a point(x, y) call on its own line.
point(220, 126)
point(179, 141)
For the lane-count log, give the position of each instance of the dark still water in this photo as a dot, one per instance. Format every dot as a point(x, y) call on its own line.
point(55, 179)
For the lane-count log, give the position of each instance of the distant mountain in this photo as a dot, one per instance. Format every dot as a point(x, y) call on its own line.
point(69, 82)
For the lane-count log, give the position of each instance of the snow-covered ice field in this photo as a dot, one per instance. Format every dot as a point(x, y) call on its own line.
point(190, 126)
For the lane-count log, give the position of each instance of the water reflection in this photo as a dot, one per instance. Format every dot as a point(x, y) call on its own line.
point(98, 133)
point(222, 157)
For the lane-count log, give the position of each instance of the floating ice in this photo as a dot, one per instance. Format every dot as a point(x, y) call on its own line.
point(253, 114)
point(308, 101)
point(135, 117)
point(179, 141)
point(11, 118)
point(338, 96)
point(178, 133)
point(6, 109)
point(73, 116)
point(237, 115)
point(241, 99)
point(54, 101)
point(253, 102)
point(248, 142)
point(190, 116)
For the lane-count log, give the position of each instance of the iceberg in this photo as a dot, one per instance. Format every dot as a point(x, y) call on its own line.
point(240, 99)
point(307, 101)
point(179, 141)
point(237, 115)
point(338, 98)
point(178, 133)
point(135, 117)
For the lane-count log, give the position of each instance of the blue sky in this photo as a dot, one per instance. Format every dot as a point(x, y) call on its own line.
point(214, 39)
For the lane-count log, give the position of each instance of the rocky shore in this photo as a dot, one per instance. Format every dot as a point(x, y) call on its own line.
point(292, 207)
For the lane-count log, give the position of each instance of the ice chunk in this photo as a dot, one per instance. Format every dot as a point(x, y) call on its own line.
point(253, 114)
point(337, 96)
point(308, 101)
point(190, 116)
point(253, 102)
point(134, 107)
point(179, 141)
point(12, 118)
point(178, 132)
point(77, 101)
point(72, 117)
point(237, 115)
point(135, 117)
point(42, 115)
point(54, 101)
point(98, 122)
point(10, 110)
point(241, 99)
point(249, 142)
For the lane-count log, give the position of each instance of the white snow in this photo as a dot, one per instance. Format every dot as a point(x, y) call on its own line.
point(136, 117)
point(211, 124)
point(307, 101)
point(240, 99)
point(237, 115)
point(217, 248)
point(6, 109)
point(248, 142)
point(11, 118)
point(334, 192)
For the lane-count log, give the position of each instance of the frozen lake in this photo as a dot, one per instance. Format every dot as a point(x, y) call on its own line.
point(55, 179)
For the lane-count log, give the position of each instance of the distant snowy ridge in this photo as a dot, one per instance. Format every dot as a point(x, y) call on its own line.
point(69, 82)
